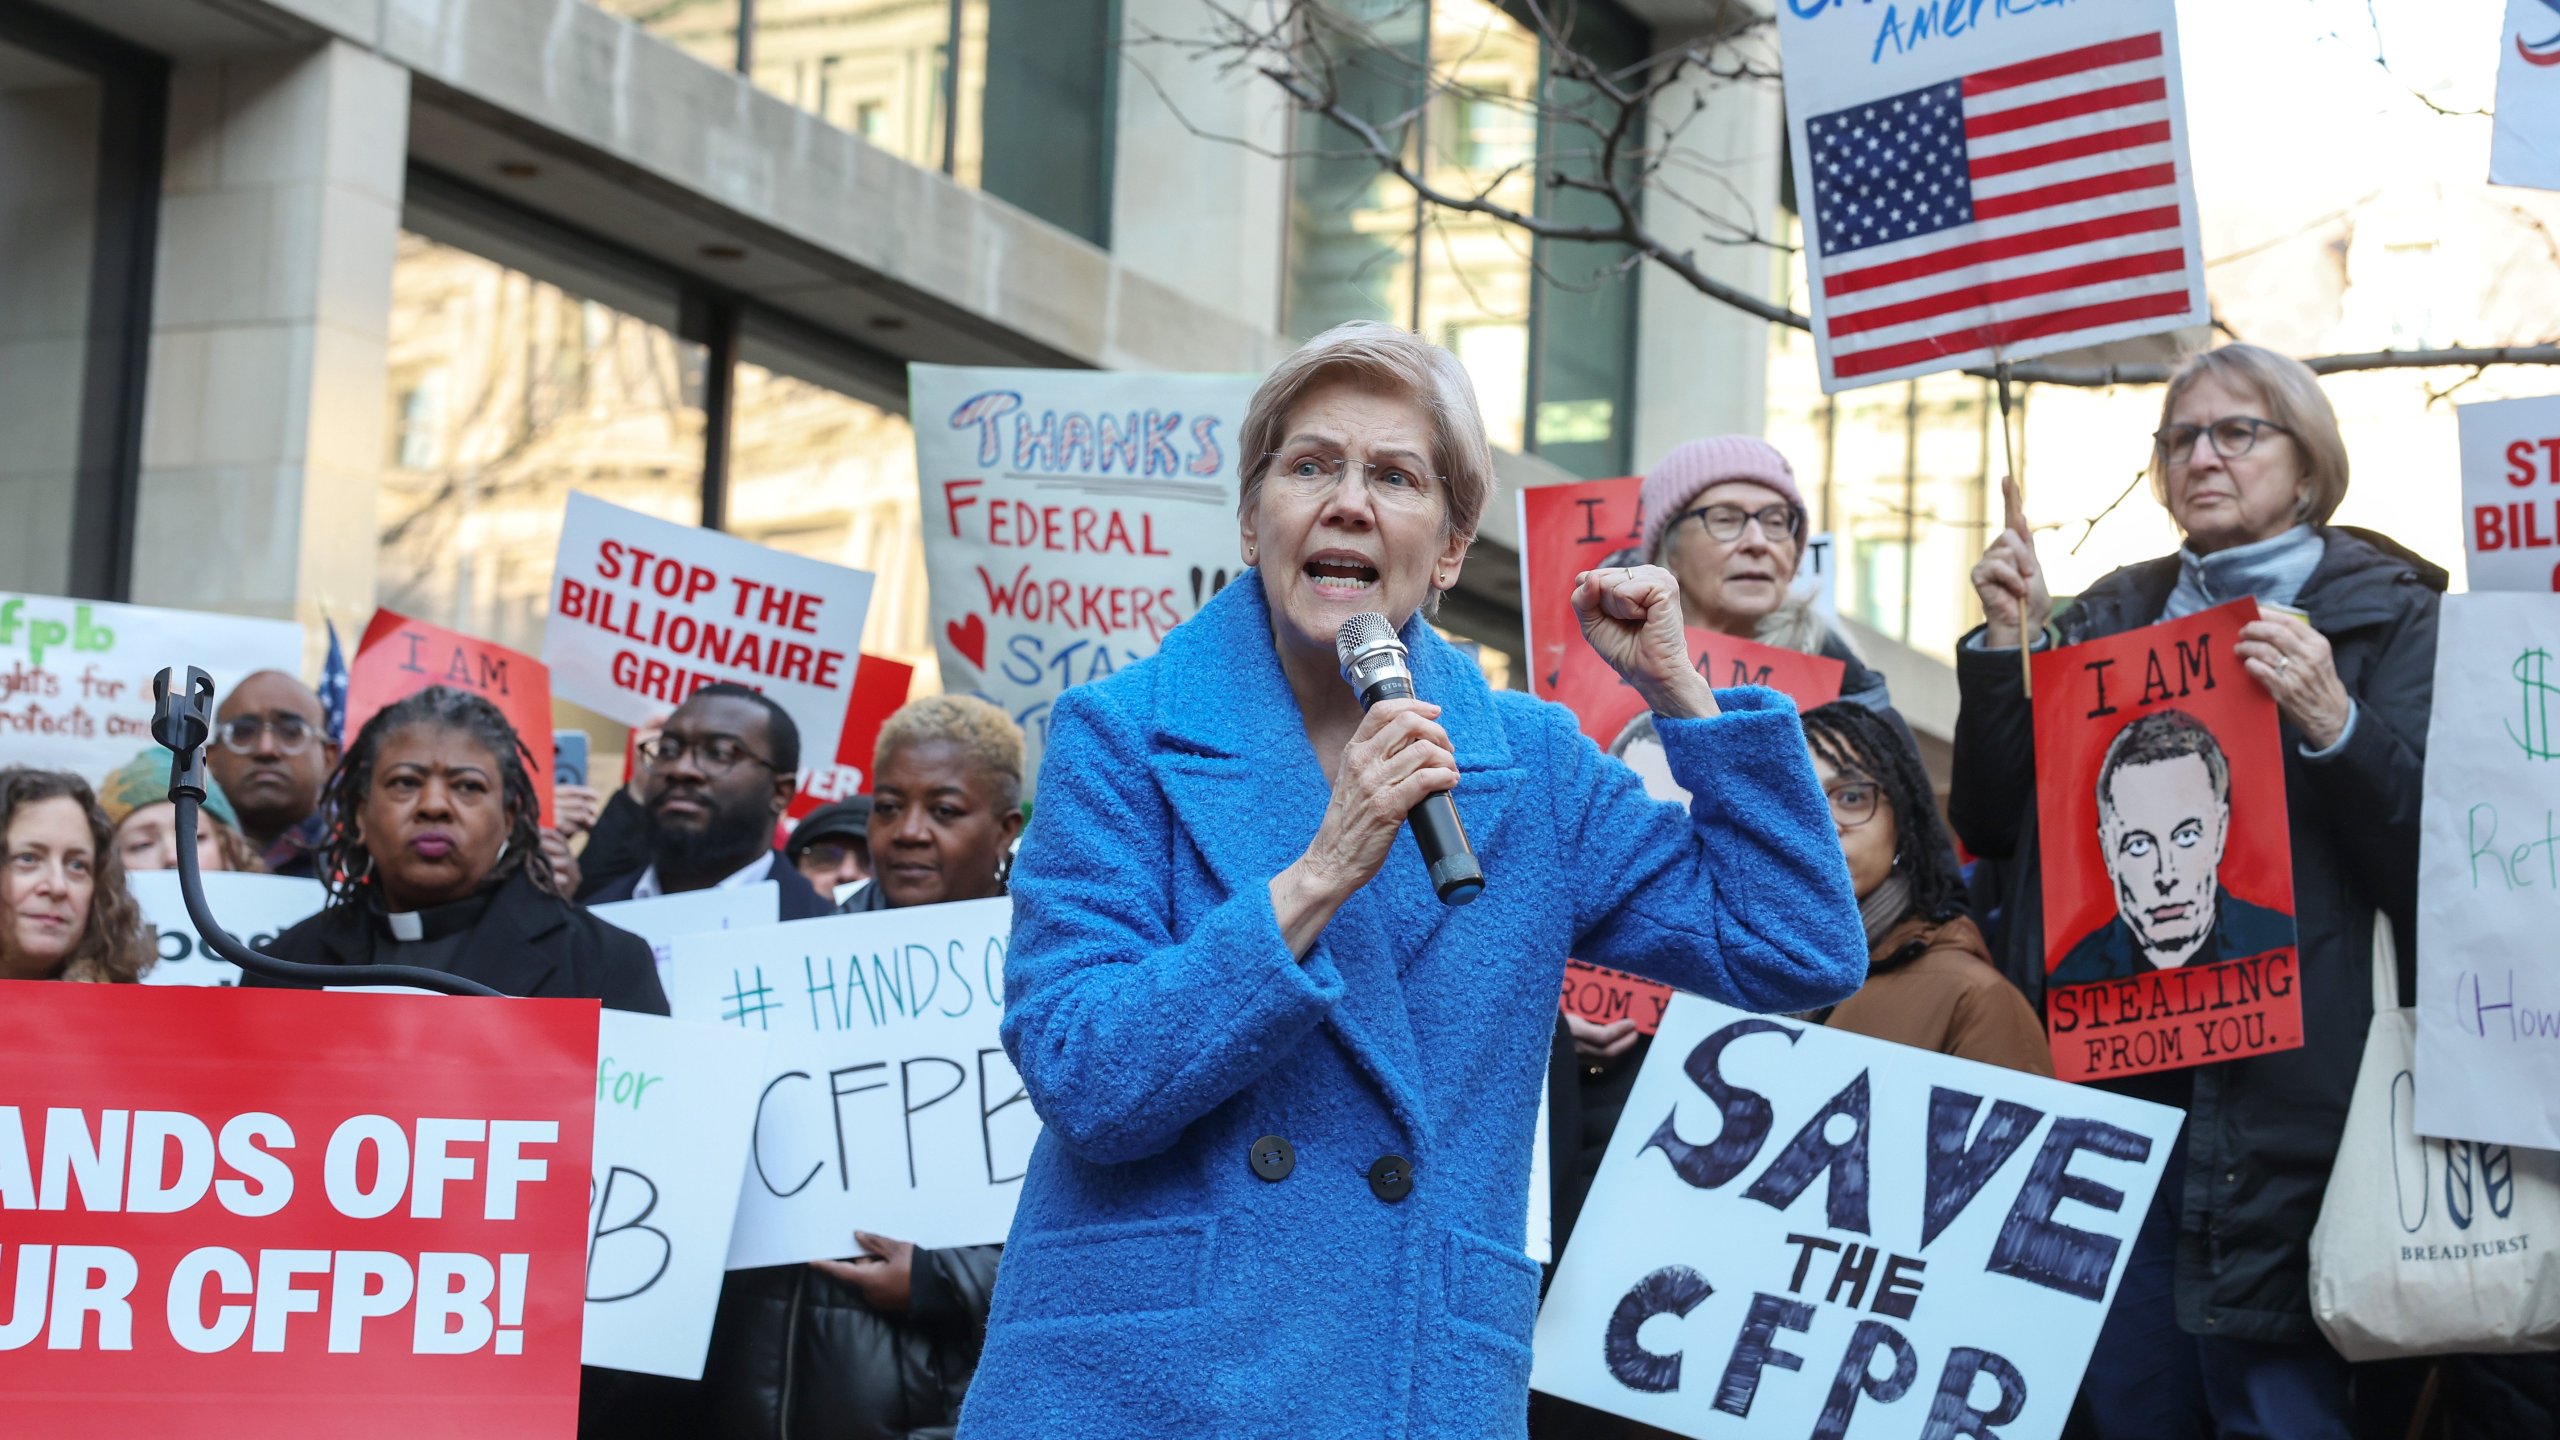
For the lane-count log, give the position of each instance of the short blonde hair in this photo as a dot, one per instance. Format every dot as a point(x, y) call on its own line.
point(2294, 400)
point(1391, 359)
point(985, 734)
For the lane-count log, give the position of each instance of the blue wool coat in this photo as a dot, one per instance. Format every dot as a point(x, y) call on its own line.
point(1155, 1284)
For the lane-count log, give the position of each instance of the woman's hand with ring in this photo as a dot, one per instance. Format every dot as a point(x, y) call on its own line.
point(1632, 616)
point(2296, 665)
point(2009, 580)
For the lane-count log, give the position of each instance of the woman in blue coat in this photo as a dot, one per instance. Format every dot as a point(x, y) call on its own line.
point(1289, 1095)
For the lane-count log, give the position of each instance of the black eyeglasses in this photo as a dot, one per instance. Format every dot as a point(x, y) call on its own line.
point(293, 734)
point(1854, 803)
point(2233, 436)
point(714, 754)
point(1724, 522)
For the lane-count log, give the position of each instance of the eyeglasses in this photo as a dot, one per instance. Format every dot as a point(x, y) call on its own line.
point(1854, 804)
point(1724, 522)
point(2233, 436)
point(1314, 474)
point(293, 734)
point(829, 854)
point(712, 754)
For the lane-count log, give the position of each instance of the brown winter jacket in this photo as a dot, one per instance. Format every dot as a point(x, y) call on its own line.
point(1933, 984)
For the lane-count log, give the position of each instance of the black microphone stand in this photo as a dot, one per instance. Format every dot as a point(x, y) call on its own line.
point(182, 721)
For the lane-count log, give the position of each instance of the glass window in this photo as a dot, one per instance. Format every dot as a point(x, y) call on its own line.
point(49, 118)
point(508, 391)
point(818, 472)
point(1036, 99)
point(704, 29)
point(1551, 357)
point(878, 68)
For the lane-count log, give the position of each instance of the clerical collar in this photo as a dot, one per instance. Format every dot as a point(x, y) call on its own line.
point(437, 921)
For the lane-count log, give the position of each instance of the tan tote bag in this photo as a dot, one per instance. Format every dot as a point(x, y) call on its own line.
point(2429, 1247)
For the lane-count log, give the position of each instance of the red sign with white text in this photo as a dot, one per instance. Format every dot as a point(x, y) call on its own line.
point(2168, 862)
point(879, 687)
point(1567, 529)
point(255, 1213)
point(398, 657)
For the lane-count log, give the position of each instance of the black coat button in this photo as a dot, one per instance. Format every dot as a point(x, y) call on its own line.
point(1391, 1179)
point(1273, 1158)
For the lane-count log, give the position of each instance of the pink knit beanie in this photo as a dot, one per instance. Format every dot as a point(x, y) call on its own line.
point(1671, 485)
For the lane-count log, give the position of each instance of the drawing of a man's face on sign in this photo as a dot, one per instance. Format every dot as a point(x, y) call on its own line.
point(2164, 815)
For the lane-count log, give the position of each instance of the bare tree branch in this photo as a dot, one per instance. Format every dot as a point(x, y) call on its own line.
point(1634, 153)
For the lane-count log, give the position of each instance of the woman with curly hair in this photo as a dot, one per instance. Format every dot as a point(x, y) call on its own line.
point(1931, 981)
point(435, 858)
point(62, 897)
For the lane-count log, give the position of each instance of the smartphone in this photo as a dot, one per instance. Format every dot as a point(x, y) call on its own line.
point(569, 757)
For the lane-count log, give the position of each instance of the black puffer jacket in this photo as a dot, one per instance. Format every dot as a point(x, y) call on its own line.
point(2261, 1133)
point(796, 1355)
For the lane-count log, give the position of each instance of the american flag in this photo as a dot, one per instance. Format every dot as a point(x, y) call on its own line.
point(333, 685)
point(2030, 202)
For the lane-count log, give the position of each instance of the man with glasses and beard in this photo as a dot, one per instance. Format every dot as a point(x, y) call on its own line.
point(720, 775)
point(272, 753)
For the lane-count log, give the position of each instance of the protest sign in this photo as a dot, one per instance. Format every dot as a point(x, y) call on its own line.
point(888, 1101)
point(2489, 876)
point(645, 611)
point(398, 657)
point(661, 918)
point(2168, 865)
point(1605, 997)
point(249, 1213)
point(1988, 183)
point(880, 686)
point(2511, 491)
point(1567, 529)
point(254, 908)
point(674, 1103)
point(2524, 139)
point(1071, 518)
point(75, 693)
point(1801, 1231)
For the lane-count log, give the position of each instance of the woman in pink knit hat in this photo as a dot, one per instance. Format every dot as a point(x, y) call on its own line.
point(1724, 516)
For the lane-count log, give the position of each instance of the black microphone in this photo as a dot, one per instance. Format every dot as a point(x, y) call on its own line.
point(1373, 661)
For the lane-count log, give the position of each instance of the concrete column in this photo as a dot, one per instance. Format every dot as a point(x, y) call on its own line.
point(1199, 212)
point(265, 419)
point(48, 213)
point(1702, 366)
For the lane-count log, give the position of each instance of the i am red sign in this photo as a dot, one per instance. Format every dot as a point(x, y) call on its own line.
point(256, 1213)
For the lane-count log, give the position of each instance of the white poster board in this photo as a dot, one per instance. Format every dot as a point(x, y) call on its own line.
point(254, 908)
point(2511, 490)
point(1792, 1218)
point(1981, 183)
point(2524, 140)
point(1071, 518)
point(2489, 876)
point(75, 675)
point(644, 612)
point(887, 1100)
point(674, 1105)
point(661, 918)
point(1818, 577)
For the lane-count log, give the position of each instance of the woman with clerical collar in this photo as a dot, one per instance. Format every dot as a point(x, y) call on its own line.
point(435, 859)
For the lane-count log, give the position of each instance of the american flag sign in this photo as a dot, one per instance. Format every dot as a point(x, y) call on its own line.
point(2024, 207)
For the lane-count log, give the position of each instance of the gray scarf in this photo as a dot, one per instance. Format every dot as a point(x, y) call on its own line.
point(1885, 906)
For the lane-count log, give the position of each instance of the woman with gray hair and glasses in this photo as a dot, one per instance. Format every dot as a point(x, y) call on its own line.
point(1288, 1094)
point(2211, 1330)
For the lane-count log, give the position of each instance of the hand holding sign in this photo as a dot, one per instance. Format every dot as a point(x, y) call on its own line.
point(2293, 661)
point(2009, 578)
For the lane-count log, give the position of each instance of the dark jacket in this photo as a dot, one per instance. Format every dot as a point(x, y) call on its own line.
point(2261, 1132)
point(797, 1355)
point(799, 899)
point(2110, 952)
point(527, 943)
